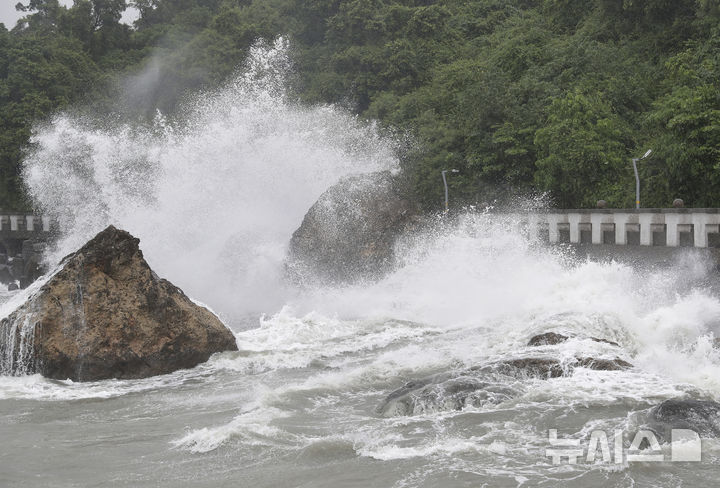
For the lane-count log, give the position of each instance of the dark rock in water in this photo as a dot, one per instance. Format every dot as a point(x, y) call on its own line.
point(545, 368)
point(349, 233)
point(699, 416)
point(552, 338)
point(547, 339)
point(105, 314)
point(441, 393)
point(532, 367)
point(409, 387)
point(616, 364)
point(612, 343)
point(13, 286)
point(479, 386)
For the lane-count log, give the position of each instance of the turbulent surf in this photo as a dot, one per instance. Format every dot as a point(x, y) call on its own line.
point(425, 377)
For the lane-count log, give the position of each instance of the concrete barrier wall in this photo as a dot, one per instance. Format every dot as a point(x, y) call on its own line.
point(670, 227)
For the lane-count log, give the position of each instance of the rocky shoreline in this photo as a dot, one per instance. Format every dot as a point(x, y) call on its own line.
point(106, 314)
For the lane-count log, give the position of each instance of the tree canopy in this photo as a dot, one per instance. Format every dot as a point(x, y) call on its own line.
point(521, 96)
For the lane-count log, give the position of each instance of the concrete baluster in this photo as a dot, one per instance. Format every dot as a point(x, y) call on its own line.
point(620, 230)
point(596, 222)
point(574, 220)
point(700, 229)
point(645, 229)
point(553, 228)
point(671, 226)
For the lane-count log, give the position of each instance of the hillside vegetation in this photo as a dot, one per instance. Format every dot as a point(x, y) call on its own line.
point(521, 96)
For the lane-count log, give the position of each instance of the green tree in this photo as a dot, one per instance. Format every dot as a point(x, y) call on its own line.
point(686, 124)
point(583, 152)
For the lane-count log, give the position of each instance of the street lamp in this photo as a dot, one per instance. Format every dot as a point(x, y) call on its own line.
point(446, 188)
point(637, 178)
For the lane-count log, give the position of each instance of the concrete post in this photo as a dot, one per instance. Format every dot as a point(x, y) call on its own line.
point(574, 220)
point(553, 228)
point(645, 229)
point(671, 225)
point(596, 222)
point(699, 227)
point(620, 230)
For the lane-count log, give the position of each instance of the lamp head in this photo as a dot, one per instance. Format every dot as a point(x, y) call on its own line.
point(647, 153)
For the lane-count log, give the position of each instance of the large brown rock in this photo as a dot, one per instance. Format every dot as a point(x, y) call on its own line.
point(348, 235)
point(105, 314)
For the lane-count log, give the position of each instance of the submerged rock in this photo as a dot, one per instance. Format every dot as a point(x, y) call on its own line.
point(545, 368)
point(532, 368)
point(605, 341)
point(616, 364)
point(441, 393)
point(105, 314)
point(349, 233)
point(702, 417)
point(552, 339)
point(547, 339)
point(480, 386)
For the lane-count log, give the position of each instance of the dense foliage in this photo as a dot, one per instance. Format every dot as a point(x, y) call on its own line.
point(519, 95)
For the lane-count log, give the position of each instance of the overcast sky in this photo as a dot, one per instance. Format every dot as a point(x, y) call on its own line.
point(8, 14)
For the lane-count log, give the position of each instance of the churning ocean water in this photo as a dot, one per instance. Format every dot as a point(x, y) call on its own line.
point(215, 199)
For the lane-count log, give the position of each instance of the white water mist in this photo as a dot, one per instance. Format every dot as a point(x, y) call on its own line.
point(214, 196)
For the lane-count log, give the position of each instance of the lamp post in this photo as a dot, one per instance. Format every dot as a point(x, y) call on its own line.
point(637, 178)
point(447, 207)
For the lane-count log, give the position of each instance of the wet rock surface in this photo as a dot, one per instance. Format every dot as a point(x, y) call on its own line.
point(532, 368)
point(616, 364)
point(702, 417)
point(481, 386)
point(105, 314)
point(348, 235)
point(545, 368)
point(547, 339)
point(553, 338)
point(443, 393)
